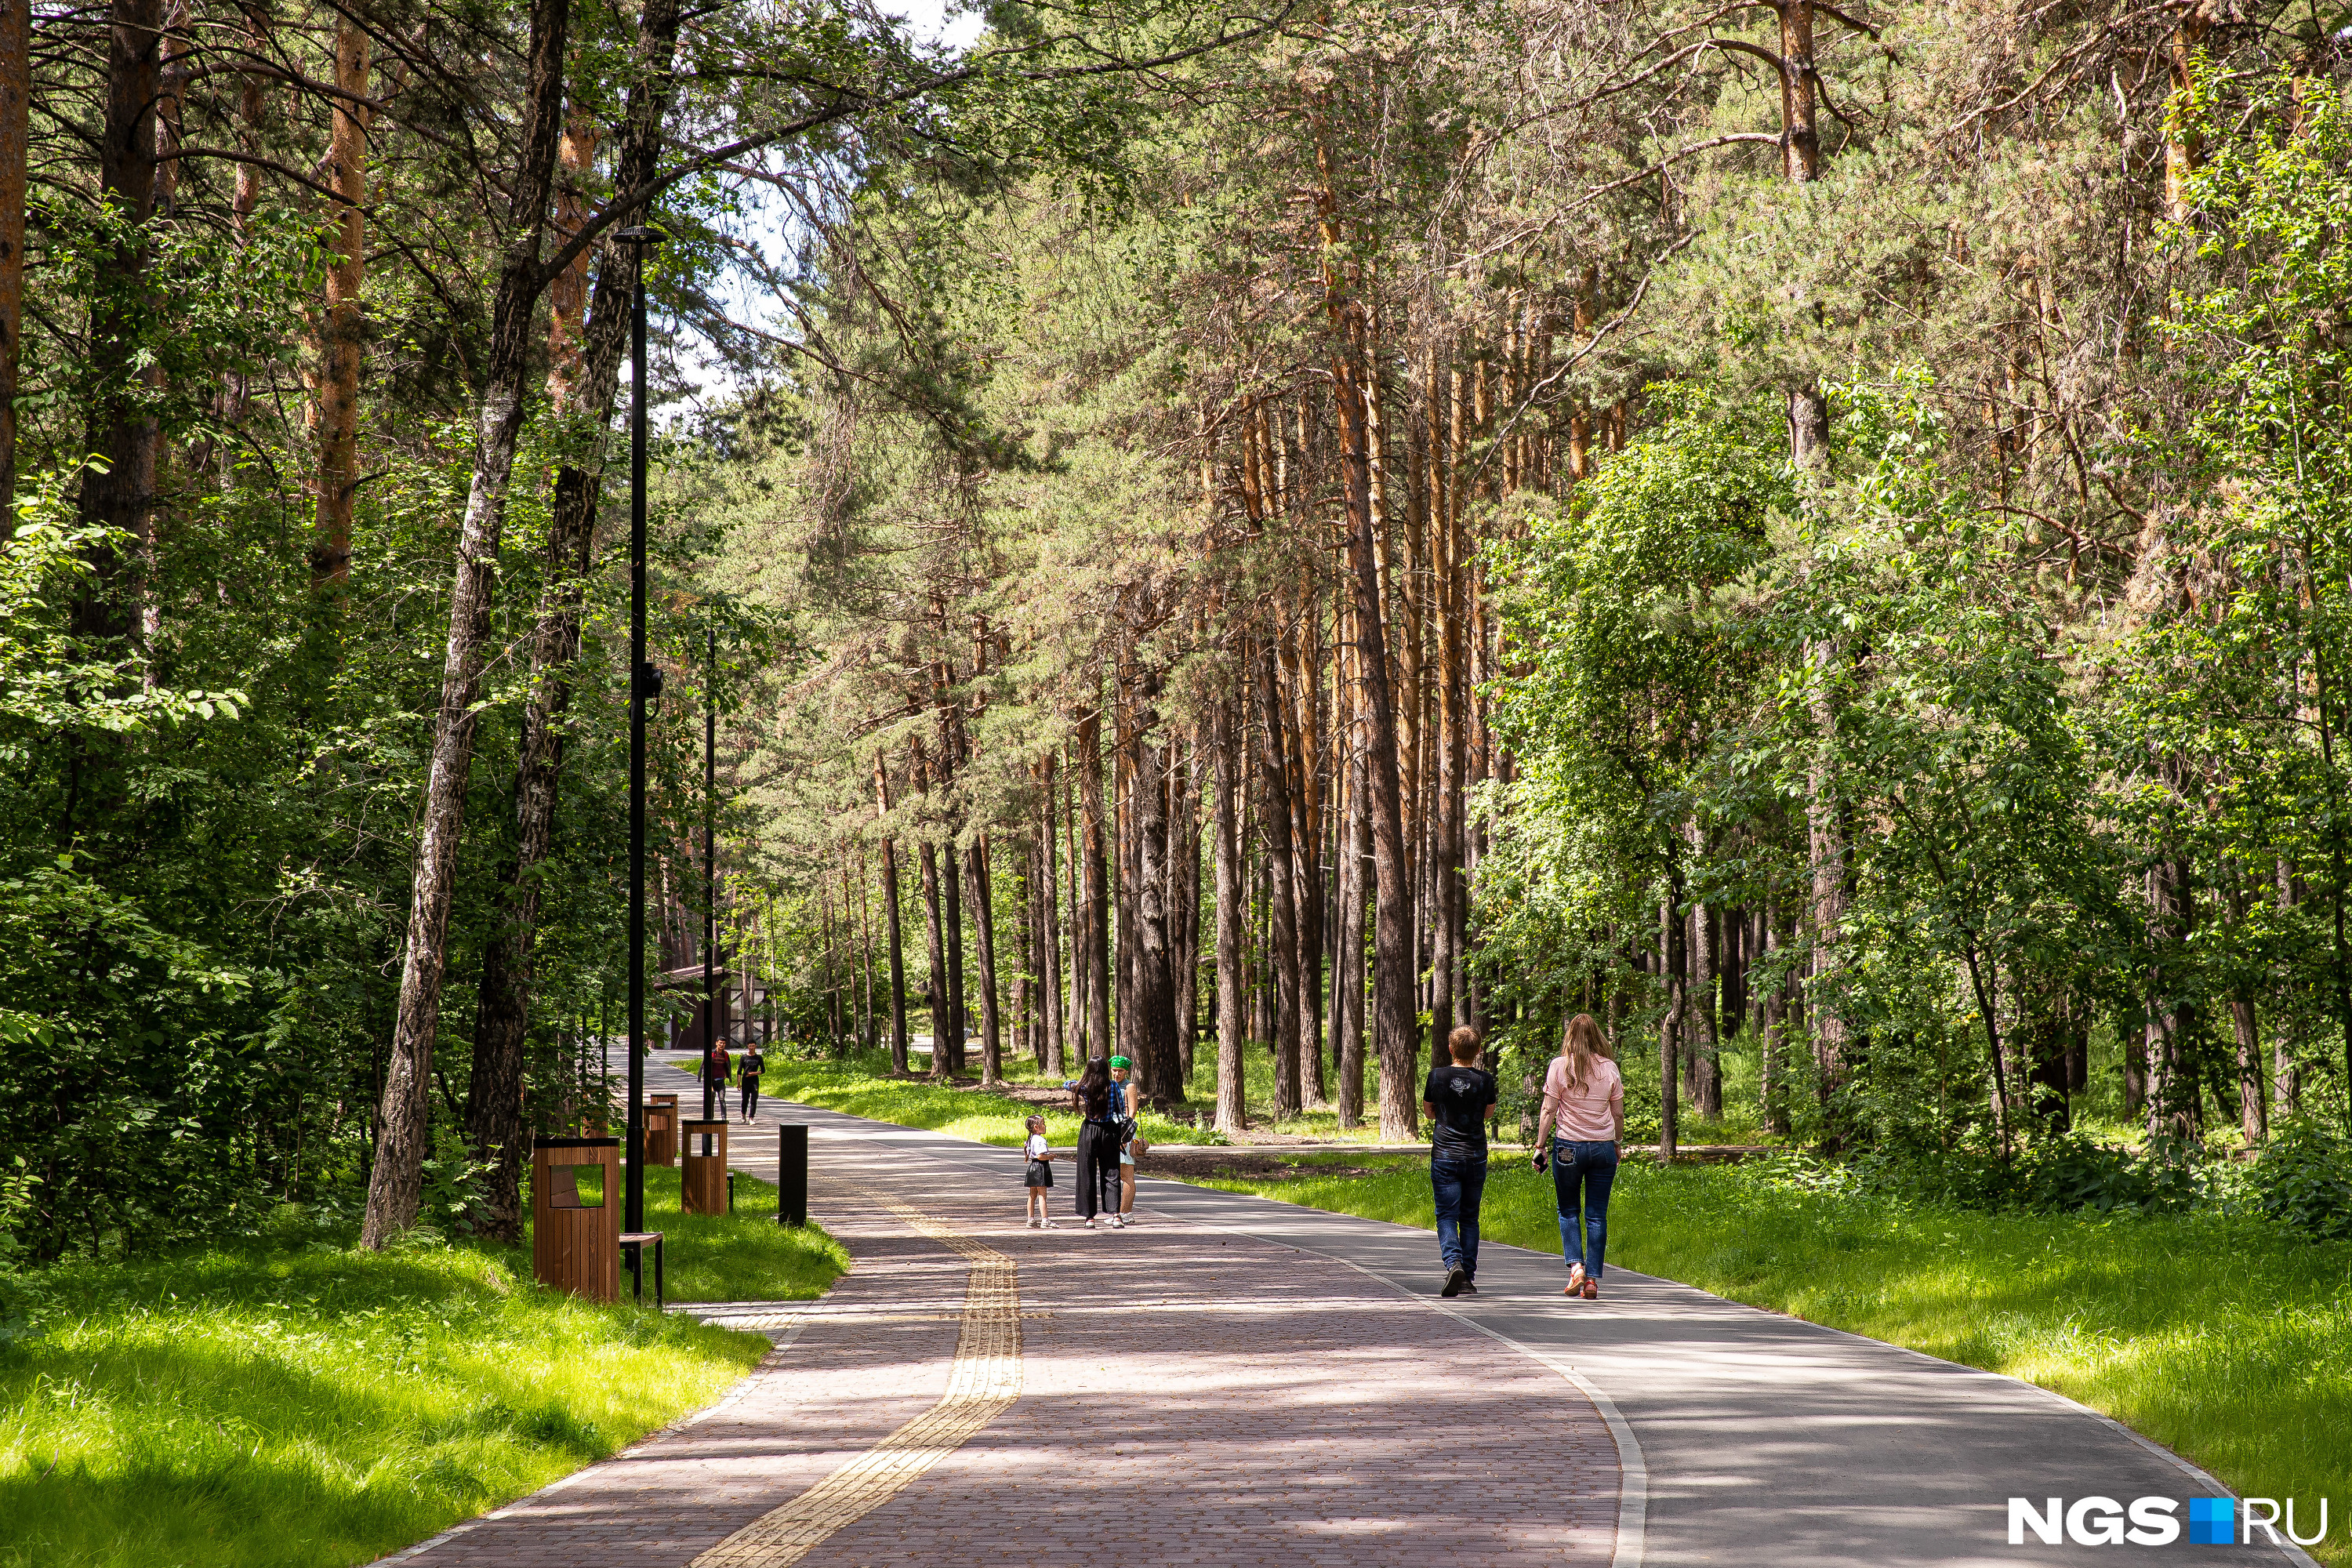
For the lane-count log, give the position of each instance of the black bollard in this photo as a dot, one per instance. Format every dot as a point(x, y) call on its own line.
point(792, 1175)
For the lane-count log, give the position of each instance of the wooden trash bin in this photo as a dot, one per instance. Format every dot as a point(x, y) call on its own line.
point(704, 1182)
point(575, 1215)
point(661, 1129)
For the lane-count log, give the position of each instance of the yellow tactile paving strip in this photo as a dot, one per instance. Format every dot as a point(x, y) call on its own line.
point(984, 1384)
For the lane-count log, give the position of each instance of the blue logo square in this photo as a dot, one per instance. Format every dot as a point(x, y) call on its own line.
point(2213, 1521)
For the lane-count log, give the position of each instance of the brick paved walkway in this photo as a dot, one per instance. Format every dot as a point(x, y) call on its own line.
point(1186, 1396)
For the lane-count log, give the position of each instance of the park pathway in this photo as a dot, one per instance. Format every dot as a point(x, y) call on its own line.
point(1237, 1381)
point(1185, 1395)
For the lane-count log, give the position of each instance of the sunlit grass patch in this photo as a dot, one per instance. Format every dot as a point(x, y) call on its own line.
point(2226, 1340)
point(322, 1405)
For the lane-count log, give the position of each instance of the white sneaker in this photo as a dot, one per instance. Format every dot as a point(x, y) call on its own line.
point(1118, 1222)
point(1047, 1225)
point(1033, 1222)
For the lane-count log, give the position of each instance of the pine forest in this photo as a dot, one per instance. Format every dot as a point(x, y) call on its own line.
point(1244, 535)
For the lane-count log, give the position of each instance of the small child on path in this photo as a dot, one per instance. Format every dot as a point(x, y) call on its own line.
point(1039, 1174)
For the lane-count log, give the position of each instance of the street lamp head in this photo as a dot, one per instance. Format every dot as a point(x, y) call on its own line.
point(637, 234)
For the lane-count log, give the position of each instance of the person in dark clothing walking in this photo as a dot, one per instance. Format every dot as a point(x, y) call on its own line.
point(1099, 1142)
point(716, 1068)
point(1458, 1099)
point(746, 1073)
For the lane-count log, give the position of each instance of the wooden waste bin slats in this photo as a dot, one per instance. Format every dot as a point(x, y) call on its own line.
point(575, 1215)
point(704, 1180)
point(661, 1129)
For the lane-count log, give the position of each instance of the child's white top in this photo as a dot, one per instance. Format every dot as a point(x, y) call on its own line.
point(1036, 1145)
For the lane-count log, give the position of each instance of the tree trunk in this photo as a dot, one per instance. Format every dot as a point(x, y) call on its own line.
point(1184, 911)
point(890, 921)
point(1096, 911)
point(1155, 1023)
point(494, 1096)
point(1672, 952)
point(1274, 783)
point(340, 329)
point(1233, 1112)
point(983, 928)
point(1306, 880)
point(16, 149)
point(1801, 85)
point(935, 980)
point(395, 1186)
point(1055, 1015)
point(1395, 1030)
point(2287, 1078)
point(1704, 1043)
point(120, 494)
point(2172, 1092)
point(948, 1046)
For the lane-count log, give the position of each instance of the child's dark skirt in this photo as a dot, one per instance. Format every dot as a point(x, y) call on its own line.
point(1041, 1174)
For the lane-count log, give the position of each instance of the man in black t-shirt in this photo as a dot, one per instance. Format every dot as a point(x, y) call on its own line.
point(1458, 1100)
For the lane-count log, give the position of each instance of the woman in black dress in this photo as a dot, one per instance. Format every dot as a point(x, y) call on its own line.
point(1097, 1141)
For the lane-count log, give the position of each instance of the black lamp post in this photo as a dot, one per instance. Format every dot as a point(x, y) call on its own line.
point(644, 685)
point(709, 863)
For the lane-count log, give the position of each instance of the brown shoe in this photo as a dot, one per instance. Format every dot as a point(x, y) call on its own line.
point(1575, 1281)
point(1592, 1291)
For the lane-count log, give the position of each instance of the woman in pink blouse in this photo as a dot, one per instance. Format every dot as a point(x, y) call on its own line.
point(1584, 1101)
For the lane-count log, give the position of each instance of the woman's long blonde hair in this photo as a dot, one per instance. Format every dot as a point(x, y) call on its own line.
point(1582, 1042)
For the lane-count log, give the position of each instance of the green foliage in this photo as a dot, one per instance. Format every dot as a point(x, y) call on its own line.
point(298, 1401)
point(2302, 1179)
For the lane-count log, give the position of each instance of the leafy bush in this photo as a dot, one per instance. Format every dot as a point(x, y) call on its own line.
point(2060, 1173)
point(2304, 1179)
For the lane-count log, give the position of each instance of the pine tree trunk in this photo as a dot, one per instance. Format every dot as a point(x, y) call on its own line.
point(983, 927)
point(1306, 879)
point(935, 980)
point(1671, 955)
point(395, 1186)
point(1232, 1028)
point(1155, 1023)
point(1702, 1041)
point(1096, 912)
point(1057, 1014)
point(120, 494)
point(15, 150)
point(890, 921)
point(948, 1046)
point(1275, 787)
point(340, 329)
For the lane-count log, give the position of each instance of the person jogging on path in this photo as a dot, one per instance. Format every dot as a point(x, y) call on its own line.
point(1458, 1099)
point(1584, 1096)
point(1098, 1139)
point(748, 1074)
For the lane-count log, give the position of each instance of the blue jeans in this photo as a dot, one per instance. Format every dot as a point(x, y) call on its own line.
point(1459, 1185)
point(1592, 1167)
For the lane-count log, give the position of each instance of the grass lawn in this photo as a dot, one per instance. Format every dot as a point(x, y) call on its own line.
point(306, 1403)
point(2226, 1340)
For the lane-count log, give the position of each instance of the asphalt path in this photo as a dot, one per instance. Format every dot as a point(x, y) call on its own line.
point(1743, 1436)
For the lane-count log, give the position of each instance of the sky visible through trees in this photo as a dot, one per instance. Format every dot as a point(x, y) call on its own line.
point(1237, 534)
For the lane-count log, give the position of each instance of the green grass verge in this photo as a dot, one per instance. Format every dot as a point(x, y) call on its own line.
point(2226, 1340)
point(306, 1403)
